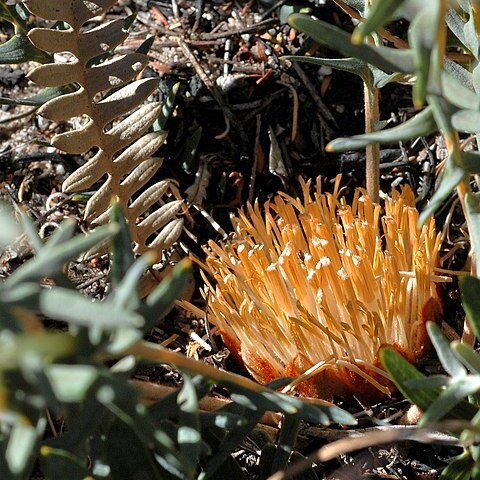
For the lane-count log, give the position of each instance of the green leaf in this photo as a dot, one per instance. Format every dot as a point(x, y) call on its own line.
point(286, 442)
point(266, 460)
point(380, 13)
point(472, 202)
point(467, 121)
point(453, 174)
point(442, 346)
point(460, 468)
point(387, 59)
point(161, 300)
point(70, 383)
point(85, 312)
point(422, 124)
point(459, 389)
point(50, 261)
point(53, 346)
point(19, 49)
point(422, 35)
point(350, 65)
point(402, 372)
point(60, 463)
point(121, 251)
point(43, 96)
point(10, 229)
point(459, 95)
point(189, 435)
point(22, 447)
point(470, 288)
point(467, 356)
point(167, 108)
point(125, 295)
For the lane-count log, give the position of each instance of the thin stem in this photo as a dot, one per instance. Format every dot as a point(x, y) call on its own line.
point(372, 151)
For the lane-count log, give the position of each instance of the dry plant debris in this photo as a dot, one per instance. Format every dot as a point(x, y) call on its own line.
point(313, 288)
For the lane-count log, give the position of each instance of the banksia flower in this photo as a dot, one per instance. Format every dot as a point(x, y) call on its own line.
point(314, 288)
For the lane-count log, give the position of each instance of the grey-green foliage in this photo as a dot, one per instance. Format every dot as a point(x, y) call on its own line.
point(451, 400)
point(451, 90)
point(104, 429)
point(19, 49)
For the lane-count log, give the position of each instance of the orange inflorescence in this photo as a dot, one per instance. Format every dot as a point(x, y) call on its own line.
point(314, 288)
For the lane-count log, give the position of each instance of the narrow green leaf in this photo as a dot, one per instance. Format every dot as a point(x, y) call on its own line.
point(189, 435)
point(467, 356)
point(22, 447)
point(125, 295)
point(460, 468)
point(434, 381)
point(43, 96)
point(472, 201)
point(70, 383)
point(380, 13)
point(387, 59)
point(402, 372)
point(286, 442)
point(467, 121)
point(350, 65)
point(121, 249)
point(422, 124)
point(422, 35)
point(266, 460)
point(223, 420)
point(10, 229)
point(458, 390)
point(453, 174)
point(19, 49)
point(85, 312)
point(442, 346)
point(161, 300)
point(57, 462)
point(167, 108)
point(470, 288)
point(459, 95)
point(50, 262)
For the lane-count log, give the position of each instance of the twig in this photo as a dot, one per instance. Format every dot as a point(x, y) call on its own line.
point(240, 31)
point(212, 88)
point(324, 114)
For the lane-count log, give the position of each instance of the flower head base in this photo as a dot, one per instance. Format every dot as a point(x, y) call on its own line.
point(314, 288)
